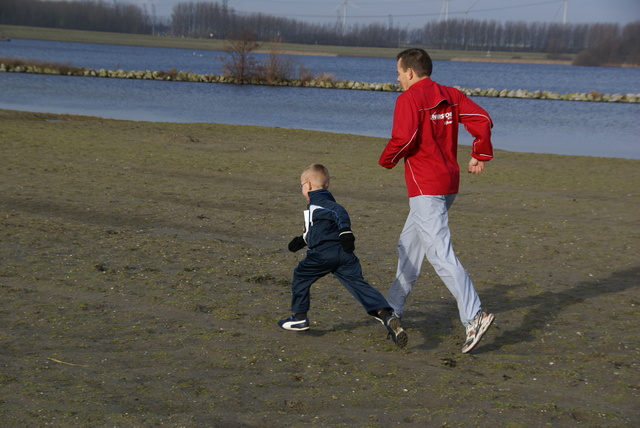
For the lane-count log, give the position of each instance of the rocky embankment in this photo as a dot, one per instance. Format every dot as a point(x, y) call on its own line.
point(181, 76)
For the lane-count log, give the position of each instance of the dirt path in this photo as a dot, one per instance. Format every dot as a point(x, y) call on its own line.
point(144, 267)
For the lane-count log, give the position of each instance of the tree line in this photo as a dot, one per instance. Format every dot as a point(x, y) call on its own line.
point(214, 20)
point(76, 15)
point(595, 43)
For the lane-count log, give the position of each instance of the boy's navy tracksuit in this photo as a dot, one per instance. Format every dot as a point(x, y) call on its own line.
point(325, 220)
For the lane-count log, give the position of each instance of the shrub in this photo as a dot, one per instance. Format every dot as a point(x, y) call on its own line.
point(239, 64)
point(243, 68)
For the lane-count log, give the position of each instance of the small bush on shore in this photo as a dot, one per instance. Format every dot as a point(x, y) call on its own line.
point(65, 68)
point(240, 65)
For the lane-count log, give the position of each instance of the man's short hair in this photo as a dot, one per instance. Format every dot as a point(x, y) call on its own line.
point(416, 59)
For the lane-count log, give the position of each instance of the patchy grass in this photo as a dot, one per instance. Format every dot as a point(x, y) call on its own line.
point(145, 265)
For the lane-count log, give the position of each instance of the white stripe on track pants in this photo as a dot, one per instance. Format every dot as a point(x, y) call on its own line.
point(426, 234)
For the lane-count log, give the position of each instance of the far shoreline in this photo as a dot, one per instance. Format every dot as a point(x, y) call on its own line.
point(51, 115)
point(97, 37)
point(512, 60)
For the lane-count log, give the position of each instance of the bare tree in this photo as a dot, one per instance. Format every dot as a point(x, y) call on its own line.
point(239, 63)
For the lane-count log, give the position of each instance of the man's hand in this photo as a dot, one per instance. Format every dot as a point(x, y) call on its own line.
point(475, 166)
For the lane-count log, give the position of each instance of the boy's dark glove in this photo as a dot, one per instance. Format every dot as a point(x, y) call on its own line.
point(296, 244)
point(347, 239)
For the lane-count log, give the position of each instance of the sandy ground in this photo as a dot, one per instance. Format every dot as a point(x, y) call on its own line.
point(144, 268)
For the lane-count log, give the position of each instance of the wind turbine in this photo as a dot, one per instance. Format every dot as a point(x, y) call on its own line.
point(345, 4)
point(445, 10)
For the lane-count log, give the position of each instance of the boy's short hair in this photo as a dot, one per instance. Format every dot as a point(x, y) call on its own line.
point(318, 173)
point(416, 59)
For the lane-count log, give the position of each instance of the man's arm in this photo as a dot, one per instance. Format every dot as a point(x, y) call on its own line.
point(478, 123)
point(403, 133)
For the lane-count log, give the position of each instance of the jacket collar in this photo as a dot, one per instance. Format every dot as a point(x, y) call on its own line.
point(431, 90)
point(321, 193)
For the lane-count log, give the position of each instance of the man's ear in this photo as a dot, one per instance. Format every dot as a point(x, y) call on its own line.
point(410, 72)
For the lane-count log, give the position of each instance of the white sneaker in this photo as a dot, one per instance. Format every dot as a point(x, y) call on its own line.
point(294, 324)
point(396, 332)
point(475, 330)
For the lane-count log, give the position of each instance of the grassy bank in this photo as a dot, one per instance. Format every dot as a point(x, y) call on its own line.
point(145, 265)
point(39, 33)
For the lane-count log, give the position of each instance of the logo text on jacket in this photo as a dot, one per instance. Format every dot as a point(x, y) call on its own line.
point(443, 116)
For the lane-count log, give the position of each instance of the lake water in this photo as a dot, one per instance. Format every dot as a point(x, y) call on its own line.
point(574, 128)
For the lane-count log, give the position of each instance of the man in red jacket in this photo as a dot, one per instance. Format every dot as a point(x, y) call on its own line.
point(425, 136)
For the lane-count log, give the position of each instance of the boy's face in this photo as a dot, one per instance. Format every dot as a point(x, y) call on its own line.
point(305, 186)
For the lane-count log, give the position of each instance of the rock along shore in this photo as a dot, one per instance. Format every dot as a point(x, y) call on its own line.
point(181, 76)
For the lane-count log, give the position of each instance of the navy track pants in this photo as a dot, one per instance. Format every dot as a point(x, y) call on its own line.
point(345, 267)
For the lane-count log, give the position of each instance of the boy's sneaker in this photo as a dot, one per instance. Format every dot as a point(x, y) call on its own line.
point(475, 330)
point(379, 318)
point(396, 332)
point(294, 324)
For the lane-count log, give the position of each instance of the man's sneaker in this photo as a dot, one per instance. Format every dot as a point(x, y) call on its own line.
point(294, 324)
point(396, 332)
point(475, 330)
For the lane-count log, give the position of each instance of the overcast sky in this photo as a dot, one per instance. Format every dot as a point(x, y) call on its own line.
point(414, 13)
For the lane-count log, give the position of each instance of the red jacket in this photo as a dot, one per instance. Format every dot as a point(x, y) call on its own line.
point(425, 134)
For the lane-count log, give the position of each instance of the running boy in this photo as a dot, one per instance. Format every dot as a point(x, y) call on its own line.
point(331, 244)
